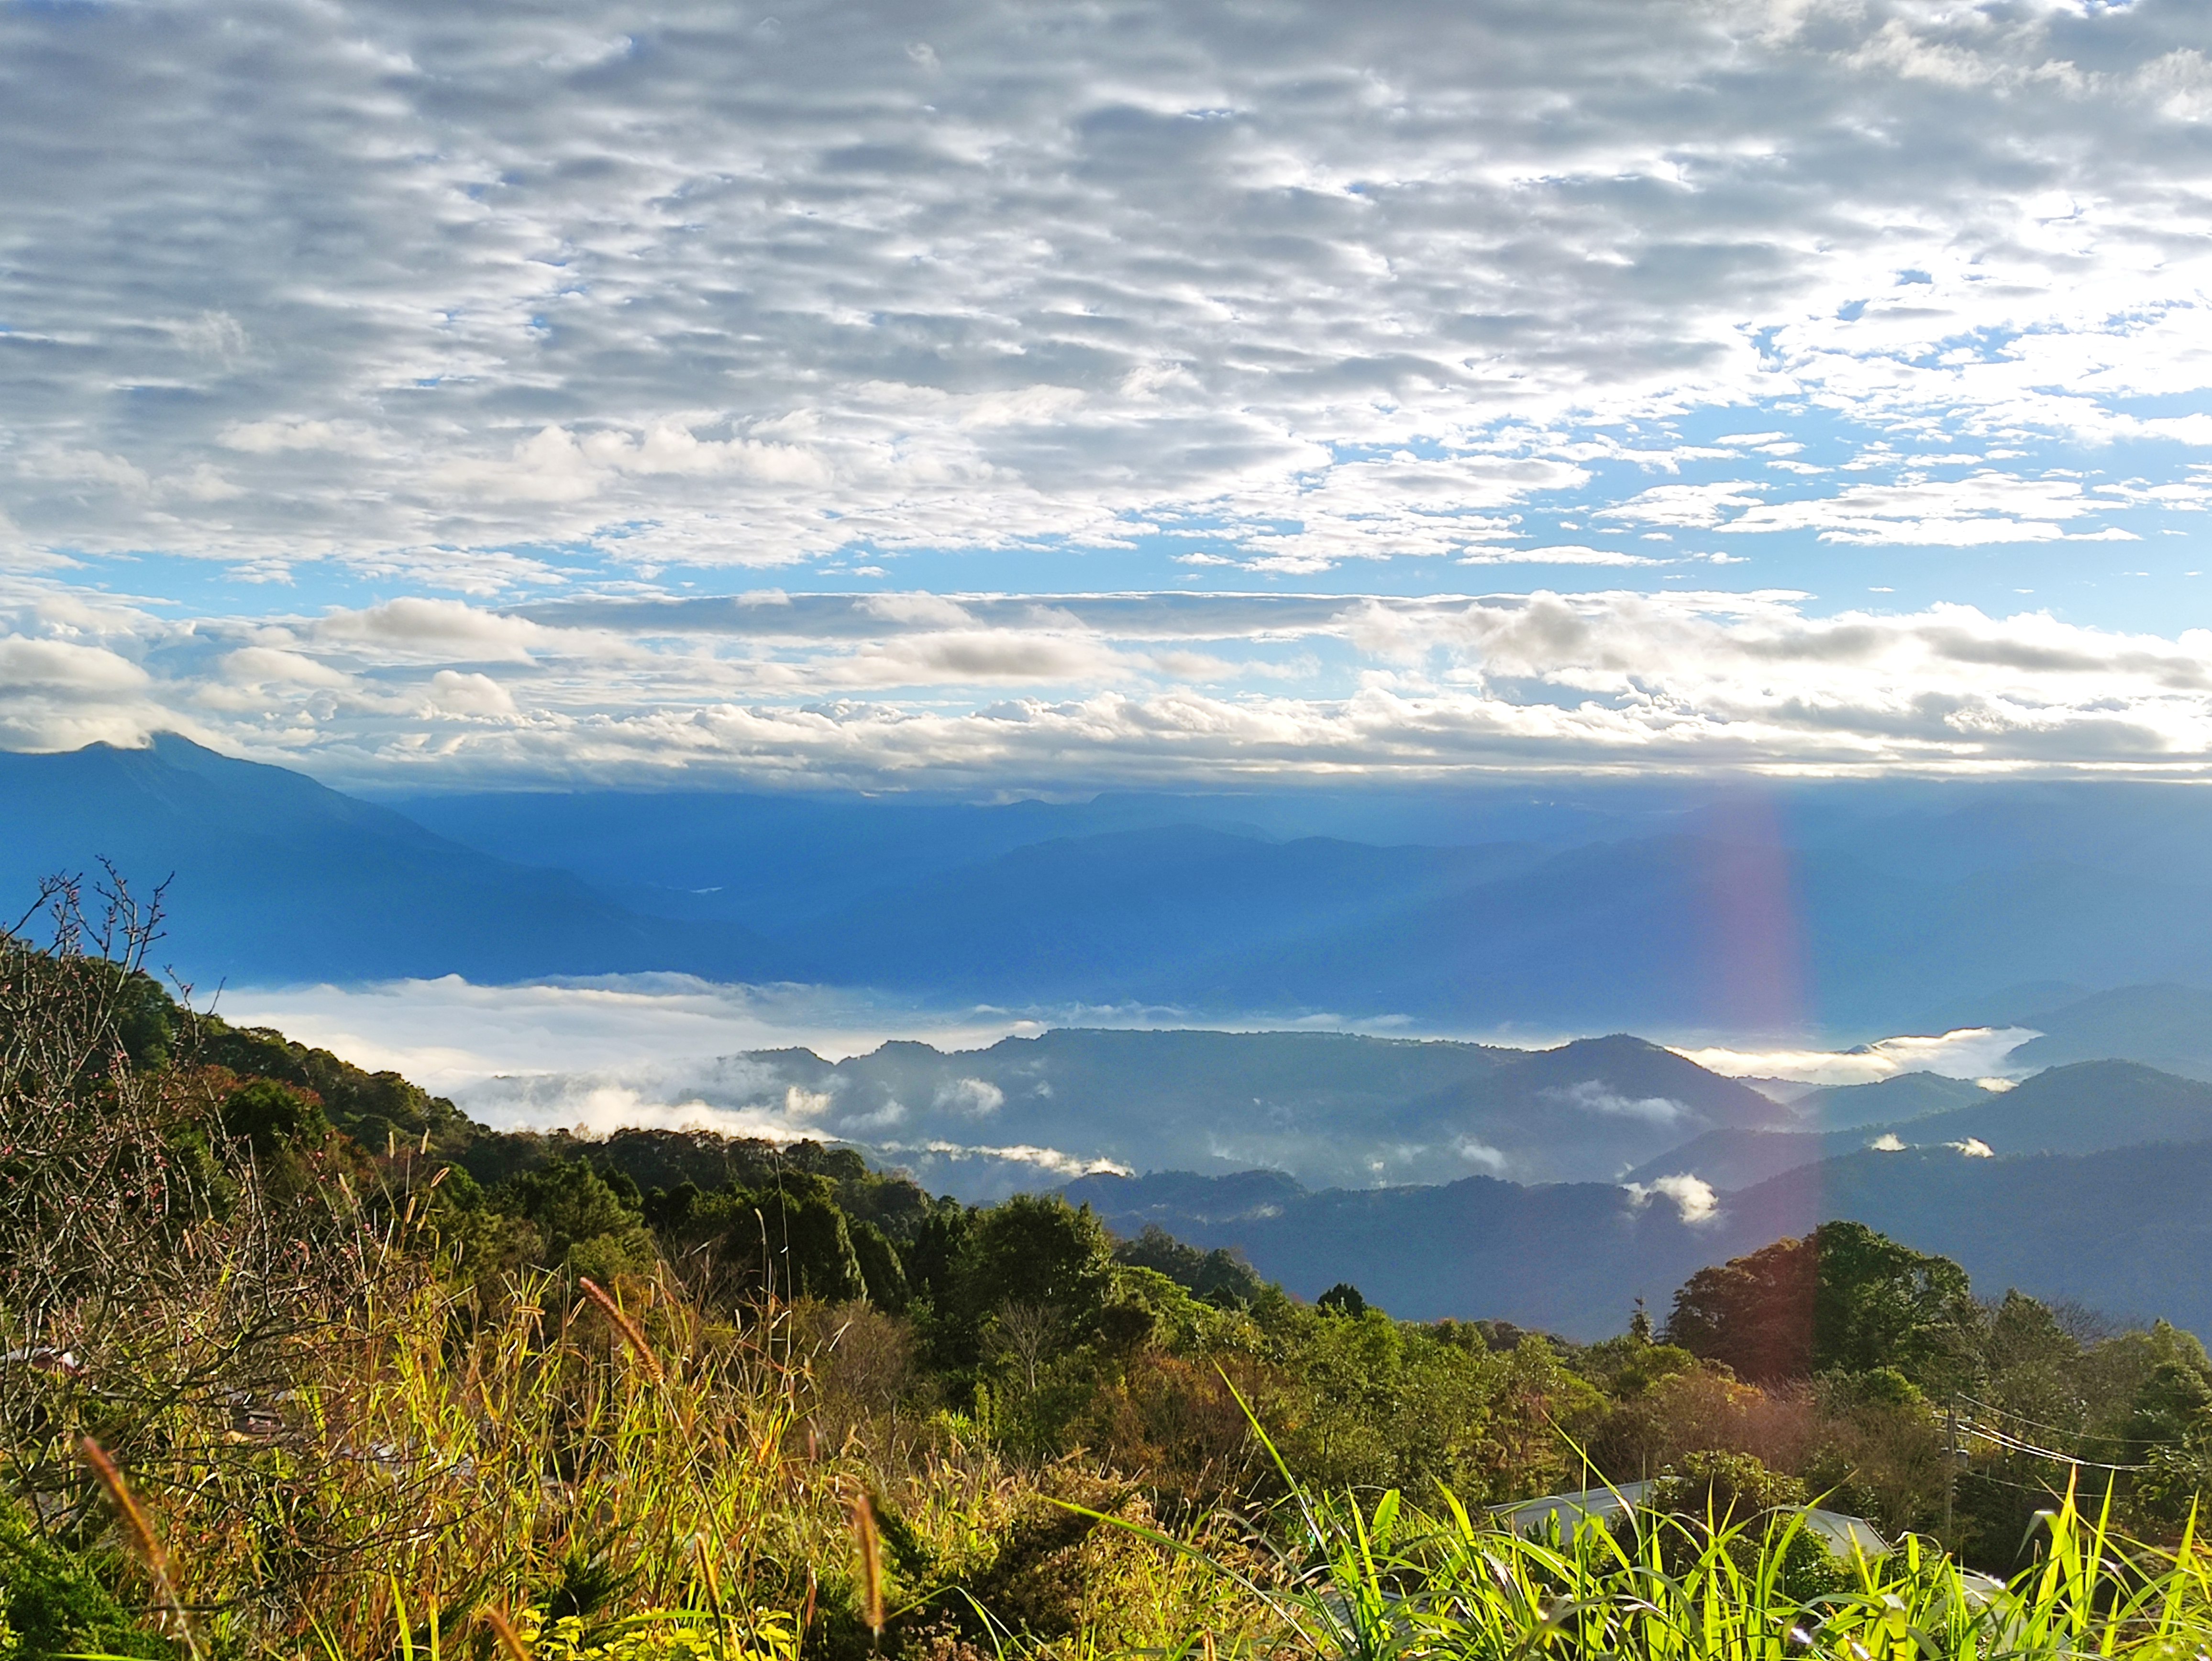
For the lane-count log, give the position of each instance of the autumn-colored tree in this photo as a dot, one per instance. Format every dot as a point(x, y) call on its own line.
point(1842, 1298)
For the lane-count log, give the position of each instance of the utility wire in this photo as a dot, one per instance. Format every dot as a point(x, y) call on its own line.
point(2045, 1490)
point(2037, 1424)
point(2018, 1446)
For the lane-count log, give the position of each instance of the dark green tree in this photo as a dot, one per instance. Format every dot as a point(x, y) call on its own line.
point(1218, 1276)
point(1842, 1298)
point(1342, 1299)
point(1754, 1314)
point(1037, 1250)
point(936, 1259)
point(2171, 1406)
point(788, 1237)
point(271, 1117)
point(580, 1224)
point(881, 1271)
point(1725, 1486)
point(2031, 1366)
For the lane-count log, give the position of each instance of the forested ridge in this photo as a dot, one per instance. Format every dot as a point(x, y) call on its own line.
point(367, 1364)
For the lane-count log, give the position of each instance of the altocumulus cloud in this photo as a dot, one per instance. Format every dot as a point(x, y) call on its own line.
point(432, 292)
point(486, 323)
point(1007, 691)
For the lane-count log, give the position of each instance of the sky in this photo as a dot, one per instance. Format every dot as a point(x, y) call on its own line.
point(1007, 398)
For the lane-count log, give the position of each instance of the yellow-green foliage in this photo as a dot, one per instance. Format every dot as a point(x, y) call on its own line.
point(658, 1489)
point(445, 1451)
point(1389, 1580)
point(658, 1635)
point(448, 1452)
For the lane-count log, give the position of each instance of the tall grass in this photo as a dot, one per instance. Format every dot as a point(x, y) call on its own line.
point(579, 1474)
point(1389, 1581)
point(611, 1477)
point(599, 1474)
point(596, 1475)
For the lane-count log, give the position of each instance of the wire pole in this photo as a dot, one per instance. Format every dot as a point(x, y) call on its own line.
point(1950, 1466)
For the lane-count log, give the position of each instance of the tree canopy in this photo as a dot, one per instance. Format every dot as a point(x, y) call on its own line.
point(1842, 1298)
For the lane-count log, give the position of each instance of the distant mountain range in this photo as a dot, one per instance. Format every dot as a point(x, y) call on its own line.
point(1862, 908)
point(2126, 1231)
point(1331, 1107)
point(2168, 1027)
point(2091, 1182)
point(1906, 1096)
point(274, 878)
point(1877, 907)
point(2086, 1107)
point(1547, 1187)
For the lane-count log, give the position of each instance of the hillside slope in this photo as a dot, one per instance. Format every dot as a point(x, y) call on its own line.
point(1886, 1101)
point(1587, 1111)
point(2168, 1027)
point(2126, 1231)
point(273, 878)
point(2087, 1108)
point(2083, 1108)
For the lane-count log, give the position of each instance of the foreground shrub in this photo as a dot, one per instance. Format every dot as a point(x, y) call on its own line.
point(52, 1603)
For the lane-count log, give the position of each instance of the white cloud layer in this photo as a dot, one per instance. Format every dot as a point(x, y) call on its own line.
point(668, 1051)
point(1592, 1096)
point(1066, 691)
point(437, 291)
point(454, 1036)
point(1693, 1197)
point(1972, 1052)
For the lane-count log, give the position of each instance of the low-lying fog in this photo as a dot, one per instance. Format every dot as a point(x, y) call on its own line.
point(671, 1051)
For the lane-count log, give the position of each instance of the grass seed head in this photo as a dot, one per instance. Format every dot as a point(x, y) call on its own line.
point(140, 1528)
point(865, 1536)
point(133, 1515)
point(510, 1641)
point(632, 1334)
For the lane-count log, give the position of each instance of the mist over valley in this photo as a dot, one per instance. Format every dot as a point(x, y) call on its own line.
point(1100, 991)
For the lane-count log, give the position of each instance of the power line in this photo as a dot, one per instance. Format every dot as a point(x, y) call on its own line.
point(2029, 1448)
point(2044, 1489)
point(2019, 1418)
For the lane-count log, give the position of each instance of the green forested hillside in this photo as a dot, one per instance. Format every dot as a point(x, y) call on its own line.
point(359, 1376)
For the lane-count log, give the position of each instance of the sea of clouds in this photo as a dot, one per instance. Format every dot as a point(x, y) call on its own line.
point(670, 1052)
